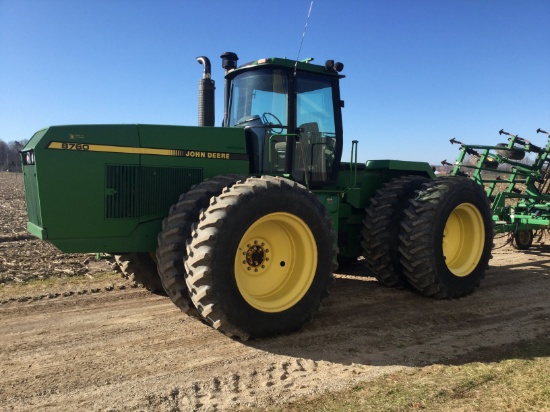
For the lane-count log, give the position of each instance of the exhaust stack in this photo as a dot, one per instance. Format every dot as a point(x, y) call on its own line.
point(206, 94)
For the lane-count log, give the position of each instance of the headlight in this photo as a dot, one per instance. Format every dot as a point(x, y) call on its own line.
point(28, 158)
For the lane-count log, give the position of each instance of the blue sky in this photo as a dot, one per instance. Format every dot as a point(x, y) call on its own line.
point(418, 72)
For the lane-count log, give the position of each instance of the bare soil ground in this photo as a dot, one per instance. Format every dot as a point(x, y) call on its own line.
point(92, 342)
point(24, 257)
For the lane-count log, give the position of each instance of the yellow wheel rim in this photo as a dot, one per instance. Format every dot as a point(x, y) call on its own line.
point(524, 237)
point(276, 261)
point(463, 239)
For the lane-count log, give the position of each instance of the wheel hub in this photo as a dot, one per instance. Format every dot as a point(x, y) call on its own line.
point(256, 256)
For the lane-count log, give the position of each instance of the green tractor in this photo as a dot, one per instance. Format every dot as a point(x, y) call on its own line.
point(244, 225)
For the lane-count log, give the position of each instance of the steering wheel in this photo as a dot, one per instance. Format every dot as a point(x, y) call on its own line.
point(273, 125)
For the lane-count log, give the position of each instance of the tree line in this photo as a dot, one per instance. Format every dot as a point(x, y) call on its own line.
point(10, 160)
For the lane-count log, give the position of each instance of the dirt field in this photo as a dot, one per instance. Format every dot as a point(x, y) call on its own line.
point(89, 342)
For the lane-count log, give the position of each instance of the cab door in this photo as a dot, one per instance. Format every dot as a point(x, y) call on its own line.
point(315, 148)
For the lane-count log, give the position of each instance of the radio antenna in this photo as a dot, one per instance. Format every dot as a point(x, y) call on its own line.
point(303, 36)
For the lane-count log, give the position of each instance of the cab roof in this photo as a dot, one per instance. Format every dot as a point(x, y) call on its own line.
point(302, 65)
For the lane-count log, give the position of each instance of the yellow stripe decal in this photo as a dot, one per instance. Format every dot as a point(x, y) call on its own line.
point(147, 151)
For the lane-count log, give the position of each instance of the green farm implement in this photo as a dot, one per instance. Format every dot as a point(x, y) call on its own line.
point(244, 224)
point(517, 186)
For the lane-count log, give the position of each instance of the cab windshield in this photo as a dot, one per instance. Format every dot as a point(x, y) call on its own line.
point(258, 92)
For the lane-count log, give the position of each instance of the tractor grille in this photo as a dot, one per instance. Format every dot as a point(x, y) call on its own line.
point(31, 195)
point(140, 191)
point(121, 191)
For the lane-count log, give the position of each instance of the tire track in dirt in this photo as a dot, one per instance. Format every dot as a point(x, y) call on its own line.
point(126, 350)
point(130, 350)
point(68, 364)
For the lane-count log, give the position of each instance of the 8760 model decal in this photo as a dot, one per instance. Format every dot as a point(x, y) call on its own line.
point(201, 154)
point(74, 146)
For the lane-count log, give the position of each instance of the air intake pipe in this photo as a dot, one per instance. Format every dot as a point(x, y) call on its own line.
point(229, 62)
point(206, 94)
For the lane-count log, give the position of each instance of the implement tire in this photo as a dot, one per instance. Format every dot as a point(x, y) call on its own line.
point(381, 227)
point(446, 238)
point(140, 268)
point(176, 229)
point(488, 162)
point(261, 258)
point(523, 239)
point(512, 154)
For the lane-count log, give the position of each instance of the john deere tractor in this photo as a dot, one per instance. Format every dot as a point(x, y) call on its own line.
point(245, 224)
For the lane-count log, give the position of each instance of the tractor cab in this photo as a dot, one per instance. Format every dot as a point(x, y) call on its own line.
point(291, 112)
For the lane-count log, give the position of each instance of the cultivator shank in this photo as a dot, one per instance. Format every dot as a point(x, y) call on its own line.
point(517, 186)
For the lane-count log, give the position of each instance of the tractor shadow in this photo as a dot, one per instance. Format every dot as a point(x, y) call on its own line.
point(365, 323)
point(536, 258)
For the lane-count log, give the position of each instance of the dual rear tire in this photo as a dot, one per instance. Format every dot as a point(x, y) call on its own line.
point(381, 228)
point(176, 230)
point(438, 238)
point(258, 257)
point(141, 269)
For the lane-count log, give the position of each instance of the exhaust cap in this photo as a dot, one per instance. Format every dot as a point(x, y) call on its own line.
point(229, 61)
point(205, 61)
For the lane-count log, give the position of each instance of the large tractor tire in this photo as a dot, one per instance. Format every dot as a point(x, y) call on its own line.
point(176, 229)
point(261, 258)
point(446, 238)
point(381, 227)
point(140, 268)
